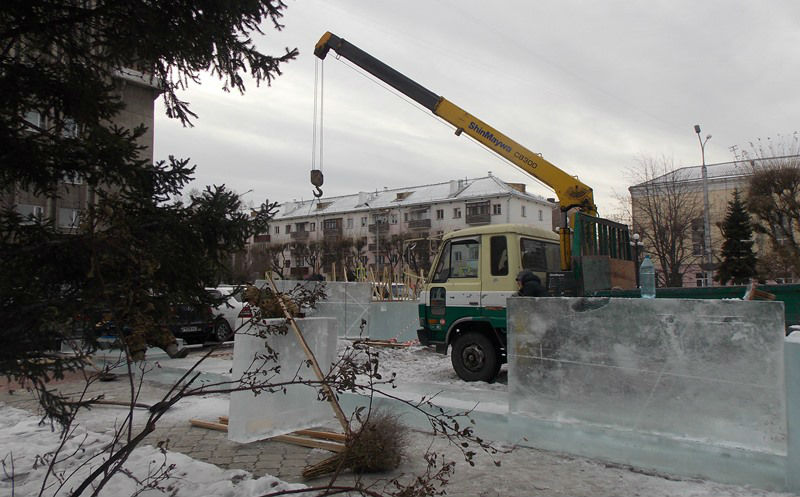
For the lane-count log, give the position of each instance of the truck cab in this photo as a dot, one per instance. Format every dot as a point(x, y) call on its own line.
point(463, 305)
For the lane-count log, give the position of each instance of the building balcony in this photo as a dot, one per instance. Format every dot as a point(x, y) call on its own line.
point(474, 219)
point(300, 235)
point(384, 228)
point(419, 224)
point(261, 239)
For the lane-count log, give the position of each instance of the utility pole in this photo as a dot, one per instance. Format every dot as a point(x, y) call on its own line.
point(706, 220)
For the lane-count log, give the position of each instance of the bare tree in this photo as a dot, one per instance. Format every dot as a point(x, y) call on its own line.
point(271, 258)
point(665, 207)
point(774, 200)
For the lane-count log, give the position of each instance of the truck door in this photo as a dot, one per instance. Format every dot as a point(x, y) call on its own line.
point(455, 289)
point(499, 280)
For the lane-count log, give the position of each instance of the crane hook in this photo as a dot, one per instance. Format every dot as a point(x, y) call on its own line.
point(317, 180)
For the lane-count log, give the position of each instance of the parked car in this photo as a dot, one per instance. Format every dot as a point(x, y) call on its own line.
point(228, 314)
point(191, 322)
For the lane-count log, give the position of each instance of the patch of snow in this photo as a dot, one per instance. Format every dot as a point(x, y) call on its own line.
point(24, 441)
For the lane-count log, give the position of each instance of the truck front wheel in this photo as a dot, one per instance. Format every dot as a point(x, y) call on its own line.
point(475, 357)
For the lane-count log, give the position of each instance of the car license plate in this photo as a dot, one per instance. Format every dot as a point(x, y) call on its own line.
point(190, 329)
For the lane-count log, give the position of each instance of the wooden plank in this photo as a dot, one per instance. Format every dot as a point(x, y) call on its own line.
point(310, 442)
point(329, 435)
point(292, 439)
point(208, 424)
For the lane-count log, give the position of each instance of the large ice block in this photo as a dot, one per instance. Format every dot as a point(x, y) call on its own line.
point(257, 416)
point(398, 320)
point(703, 370)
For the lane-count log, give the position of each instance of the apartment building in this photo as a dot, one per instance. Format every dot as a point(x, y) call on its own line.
point(388, 225)
point(138, 92)
point(722, 180)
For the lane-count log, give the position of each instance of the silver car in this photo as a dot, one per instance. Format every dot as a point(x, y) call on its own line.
point(227, 313)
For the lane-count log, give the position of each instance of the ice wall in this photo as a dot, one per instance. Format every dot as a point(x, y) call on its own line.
point(398, 320)
point(350, 303)
point(792, 363)
point(709, 371)
point(258, 416)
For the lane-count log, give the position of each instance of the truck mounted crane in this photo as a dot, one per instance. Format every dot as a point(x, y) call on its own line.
point(570, 191)
point(463, 305)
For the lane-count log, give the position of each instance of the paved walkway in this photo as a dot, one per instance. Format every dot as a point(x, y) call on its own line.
point(523, 471)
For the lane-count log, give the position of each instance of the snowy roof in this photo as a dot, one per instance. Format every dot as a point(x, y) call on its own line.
point(423, 195)
point(714, 171)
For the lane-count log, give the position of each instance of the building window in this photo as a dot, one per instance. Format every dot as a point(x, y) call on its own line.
point(288, 228)
point(457, 213)
point(277, 230)
point(349, 223)
point(363, 221)
point(34, 118)
point(405, 217)
point(70, 129)
point(394, 218)
point(523, 211)
point(541, 215)
point(30, 213)
point(496, 209)
point(698, 237)
point(439, 213)
point(73, 179)
point(68, 218)
point(312, 226)
point(478, 209)
point(700, 279)
point(331, 224)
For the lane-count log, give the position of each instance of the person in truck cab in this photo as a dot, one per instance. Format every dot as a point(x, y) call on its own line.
point(529, 285)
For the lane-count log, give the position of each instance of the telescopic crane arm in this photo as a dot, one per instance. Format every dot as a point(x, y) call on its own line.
point(571, 192)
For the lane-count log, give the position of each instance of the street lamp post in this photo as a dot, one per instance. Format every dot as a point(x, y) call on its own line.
point(375, 216)
point(636, 244)
point(378, 244)
point(706, 220)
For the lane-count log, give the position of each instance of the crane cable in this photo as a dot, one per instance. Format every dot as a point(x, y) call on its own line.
point(319, 86)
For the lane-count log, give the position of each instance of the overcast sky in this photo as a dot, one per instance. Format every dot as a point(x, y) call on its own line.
point(592, 86)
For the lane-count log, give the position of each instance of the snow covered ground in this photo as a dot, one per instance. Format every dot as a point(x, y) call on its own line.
point(27, 447)
point(24, 445)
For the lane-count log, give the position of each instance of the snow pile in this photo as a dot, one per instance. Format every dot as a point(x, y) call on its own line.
point(28, 445)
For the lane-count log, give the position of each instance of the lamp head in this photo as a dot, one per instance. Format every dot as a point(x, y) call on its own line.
point(697, 128)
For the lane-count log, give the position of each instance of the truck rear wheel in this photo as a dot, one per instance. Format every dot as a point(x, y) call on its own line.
point(475, 357)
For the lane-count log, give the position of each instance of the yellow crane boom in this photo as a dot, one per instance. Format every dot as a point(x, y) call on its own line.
point(571, 192)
